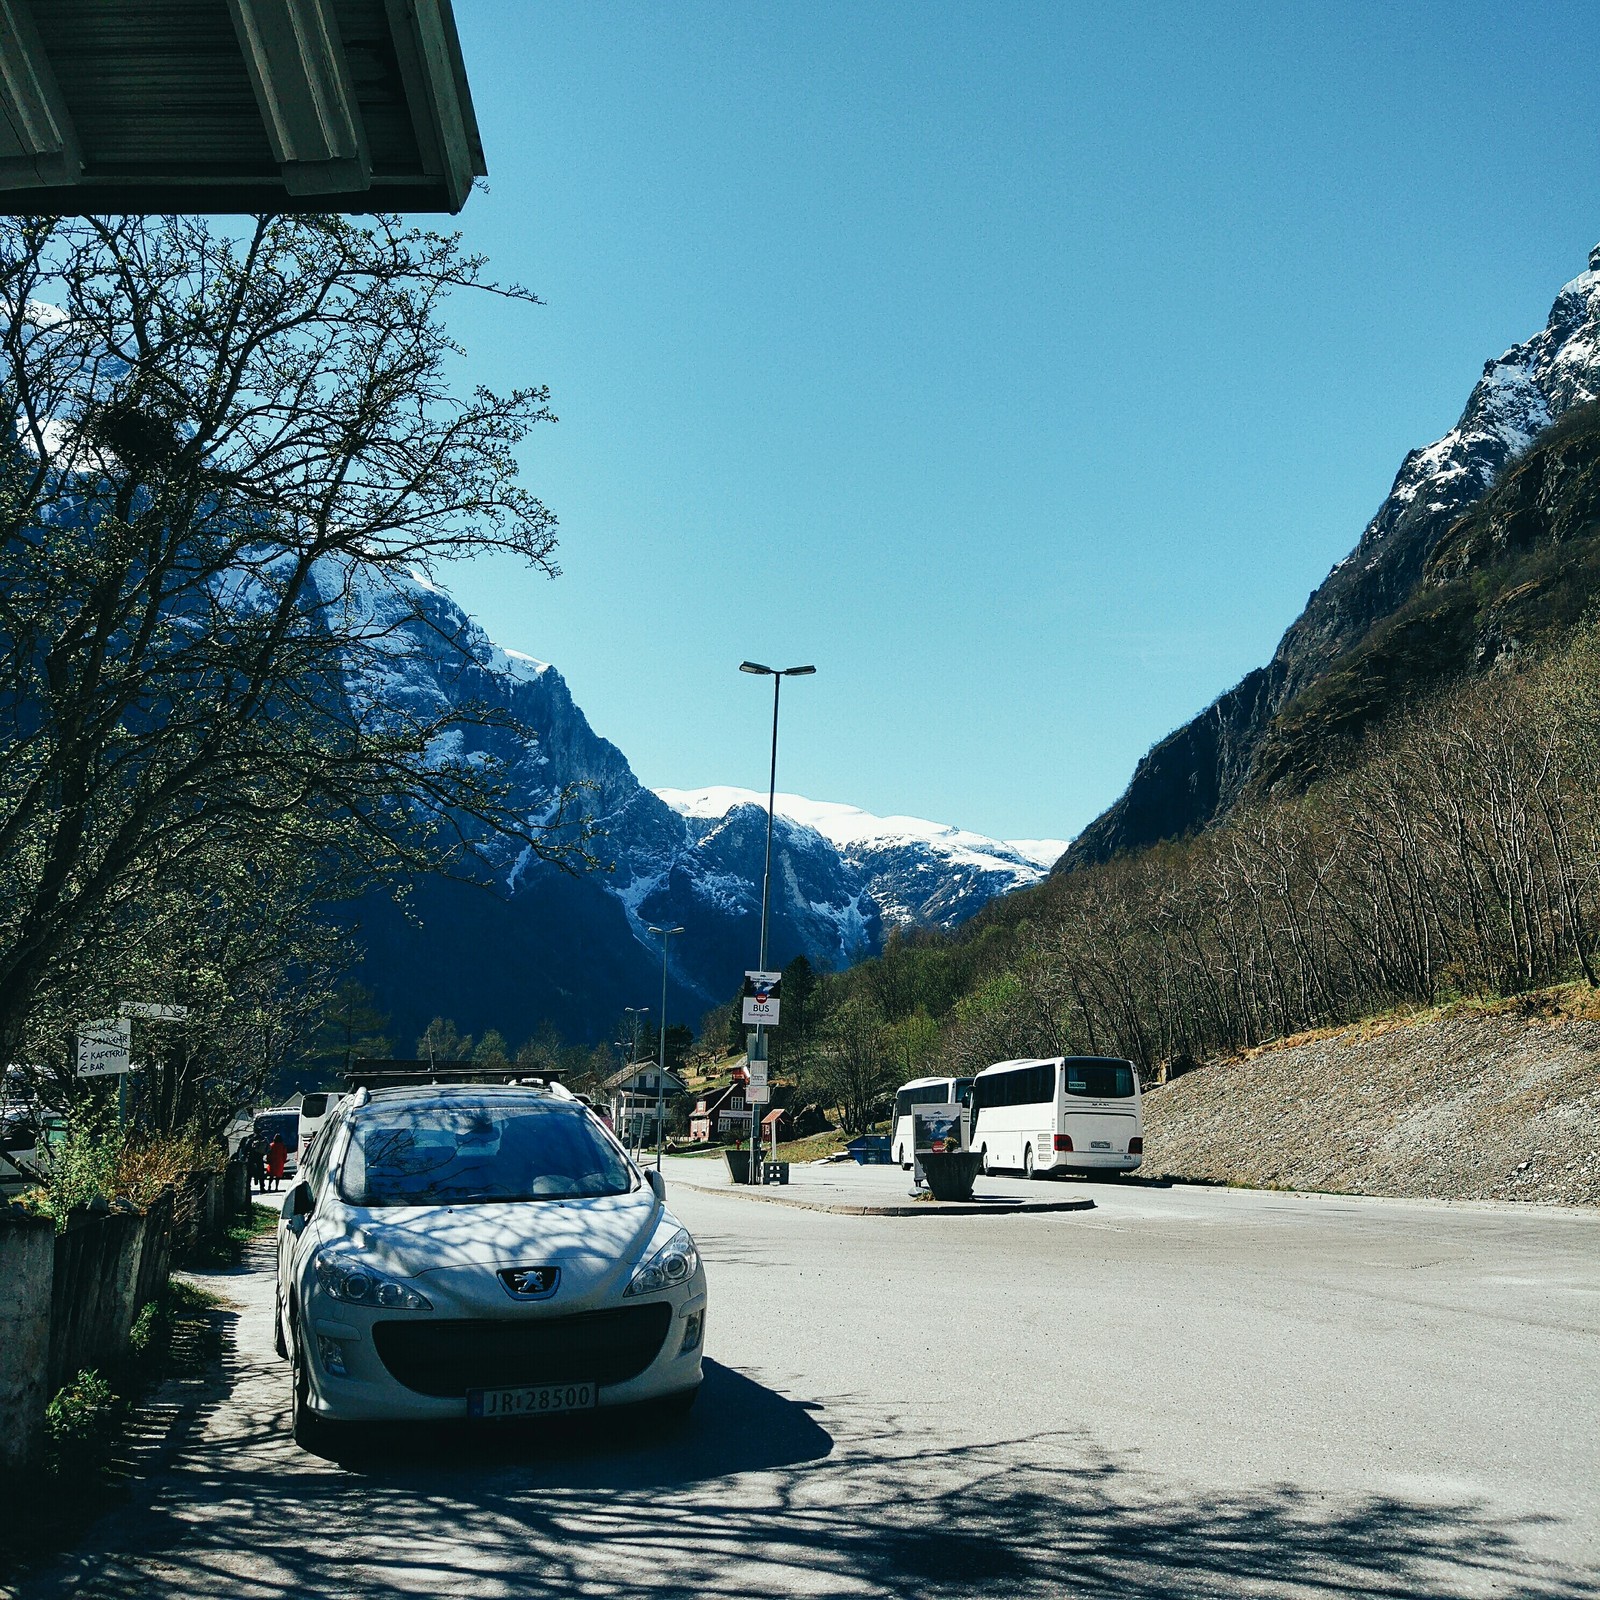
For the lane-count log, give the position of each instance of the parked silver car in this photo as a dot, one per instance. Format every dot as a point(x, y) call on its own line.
point(469, 1250)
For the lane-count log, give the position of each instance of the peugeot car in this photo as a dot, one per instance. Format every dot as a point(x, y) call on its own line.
point(478, 1251)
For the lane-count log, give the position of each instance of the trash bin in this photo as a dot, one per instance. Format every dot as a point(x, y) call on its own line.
point(950, 1175)
point(870, 1150)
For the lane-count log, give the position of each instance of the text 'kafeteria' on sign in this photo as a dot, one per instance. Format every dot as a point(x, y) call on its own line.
point(761, 998)
point(103, 1047)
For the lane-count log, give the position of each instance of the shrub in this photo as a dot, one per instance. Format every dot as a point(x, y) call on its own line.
point(82, 1169)
point(146, 1167)
point(82, 1425)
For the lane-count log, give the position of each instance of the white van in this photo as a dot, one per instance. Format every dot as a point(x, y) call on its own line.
point(923, 1092)
point(1059, 1114)
point(314, 1111)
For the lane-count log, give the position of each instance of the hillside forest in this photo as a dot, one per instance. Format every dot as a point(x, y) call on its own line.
point(1437, 836)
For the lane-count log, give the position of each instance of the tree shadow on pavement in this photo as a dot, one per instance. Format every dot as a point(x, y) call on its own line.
point(760, 1494)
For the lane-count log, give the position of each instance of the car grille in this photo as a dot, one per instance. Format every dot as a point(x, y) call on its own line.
point(448, 1358)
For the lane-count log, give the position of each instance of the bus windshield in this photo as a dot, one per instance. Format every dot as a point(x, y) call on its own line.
point(1099, 1080)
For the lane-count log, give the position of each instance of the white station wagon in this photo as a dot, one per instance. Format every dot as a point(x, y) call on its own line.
point(471, 1250)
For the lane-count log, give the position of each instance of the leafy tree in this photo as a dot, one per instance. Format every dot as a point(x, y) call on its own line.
point(443, 1041)
point(228, 453)
point(352, 1027)
point(491, 1050)
point(543, 1052)
point(851, 1068)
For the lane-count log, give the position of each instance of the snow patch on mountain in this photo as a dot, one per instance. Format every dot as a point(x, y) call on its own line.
point(918, 872)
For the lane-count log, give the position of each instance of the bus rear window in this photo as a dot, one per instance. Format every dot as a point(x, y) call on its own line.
point(1100, 1080)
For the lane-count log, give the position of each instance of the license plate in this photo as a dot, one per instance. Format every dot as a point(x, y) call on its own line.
point(543, 1401)
point(1099, 1144)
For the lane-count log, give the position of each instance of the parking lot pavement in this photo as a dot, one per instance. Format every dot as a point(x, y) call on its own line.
point(1189, 1393)
point(885, 1190)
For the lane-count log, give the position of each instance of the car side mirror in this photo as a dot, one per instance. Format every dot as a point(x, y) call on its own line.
point(298, 1206)
point(658, 1185)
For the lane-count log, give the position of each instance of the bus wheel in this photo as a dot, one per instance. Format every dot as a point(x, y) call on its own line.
point(983, 1161)
point(1027, 1161)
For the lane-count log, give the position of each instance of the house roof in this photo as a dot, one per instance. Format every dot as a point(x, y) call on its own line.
point(234, 106)
point(716, 1098)
point(640, 1069)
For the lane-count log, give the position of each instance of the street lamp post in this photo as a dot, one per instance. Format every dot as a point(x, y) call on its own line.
point(635, 1013)
point(777, 674)
point(661, 1079)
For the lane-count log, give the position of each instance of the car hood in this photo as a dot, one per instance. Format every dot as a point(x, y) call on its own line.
point(586, 1236)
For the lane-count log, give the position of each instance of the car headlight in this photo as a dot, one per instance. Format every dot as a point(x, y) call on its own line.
point(349, 1279)
point(672, 1264)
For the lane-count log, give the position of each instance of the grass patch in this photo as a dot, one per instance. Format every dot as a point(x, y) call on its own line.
point(1559, 1002)
point(813, 1148)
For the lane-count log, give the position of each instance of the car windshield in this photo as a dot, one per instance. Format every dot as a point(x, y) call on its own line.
point(1100, 1080)
point(446, 1155)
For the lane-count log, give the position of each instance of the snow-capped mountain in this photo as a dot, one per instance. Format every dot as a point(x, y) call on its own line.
point(543, 943)
point(1197, 773)
point(918, 873)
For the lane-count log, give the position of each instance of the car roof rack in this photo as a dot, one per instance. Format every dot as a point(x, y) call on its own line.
point(362, 1074)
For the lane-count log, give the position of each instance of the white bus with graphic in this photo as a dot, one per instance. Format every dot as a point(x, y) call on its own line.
point(1058, 1114)
point(922, 1092)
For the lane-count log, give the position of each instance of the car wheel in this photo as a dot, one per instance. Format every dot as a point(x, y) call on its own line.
point(279, 1343)
point(308, 1427)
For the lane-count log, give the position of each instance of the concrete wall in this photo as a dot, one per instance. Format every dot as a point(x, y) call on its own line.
point(69, 1300)
point(27, 1269)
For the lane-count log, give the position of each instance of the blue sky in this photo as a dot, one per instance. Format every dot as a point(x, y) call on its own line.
point(1024, 367)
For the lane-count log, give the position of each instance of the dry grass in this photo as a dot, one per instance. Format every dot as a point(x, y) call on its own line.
point(1483, 1100)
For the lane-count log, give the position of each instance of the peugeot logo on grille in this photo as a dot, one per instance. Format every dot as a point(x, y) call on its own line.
point(531, 1283)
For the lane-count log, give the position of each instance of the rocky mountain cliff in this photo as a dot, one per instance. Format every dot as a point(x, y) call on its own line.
point(1259, 735)
point(543, 944)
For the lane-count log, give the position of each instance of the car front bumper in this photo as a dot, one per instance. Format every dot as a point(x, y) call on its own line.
point(338, 1336)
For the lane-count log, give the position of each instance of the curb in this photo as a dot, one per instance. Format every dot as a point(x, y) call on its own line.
point(945, 1208)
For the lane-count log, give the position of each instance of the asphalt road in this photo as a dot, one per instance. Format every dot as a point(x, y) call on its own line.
point(1181, 1393)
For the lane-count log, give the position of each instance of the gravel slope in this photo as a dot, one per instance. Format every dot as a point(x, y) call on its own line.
point(1466, 1107)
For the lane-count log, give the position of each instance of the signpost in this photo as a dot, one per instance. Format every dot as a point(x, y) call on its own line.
point(761, 998)
point(757, 1091)
point(103, 1047)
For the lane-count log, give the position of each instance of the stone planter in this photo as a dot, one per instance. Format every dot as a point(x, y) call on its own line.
point(738, 1165)
point(950, 1176)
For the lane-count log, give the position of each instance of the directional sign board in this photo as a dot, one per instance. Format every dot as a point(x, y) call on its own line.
point(761, 998)
point(151, 1011)
point(103, 1047)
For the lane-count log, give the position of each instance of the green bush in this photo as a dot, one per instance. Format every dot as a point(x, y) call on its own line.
point(82, 1169)
point(82, 1426)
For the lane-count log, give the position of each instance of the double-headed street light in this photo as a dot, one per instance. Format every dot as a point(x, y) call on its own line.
point(661, 1080)
point(777, 674)
point(636, 1014)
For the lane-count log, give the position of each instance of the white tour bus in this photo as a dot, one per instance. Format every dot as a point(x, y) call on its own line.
point(923, 1092)
point(1065, 1114)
